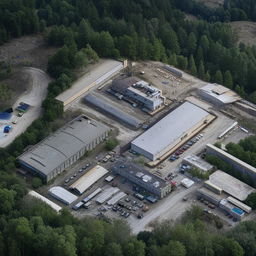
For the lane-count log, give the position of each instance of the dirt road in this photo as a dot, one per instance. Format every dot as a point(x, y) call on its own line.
point(39, 82)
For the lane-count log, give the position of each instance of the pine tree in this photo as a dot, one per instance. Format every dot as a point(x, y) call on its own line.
point(173, 59)
point(191, 43)
point(192, 65)
point(228, 80)
point(218, 78)
point(201, 70)
point(207, 76)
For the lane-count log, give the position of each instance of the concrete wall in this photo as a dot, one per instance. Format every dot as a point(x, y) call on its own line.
point(237, 166)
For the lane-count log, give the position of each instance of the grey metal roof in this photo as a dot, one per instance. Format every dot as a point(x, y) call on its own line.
point(170, 128)
point(139, 173)
point(231, 185)
point(64, 143)
point(62, 194)
point(100, 69)
point(112, 110)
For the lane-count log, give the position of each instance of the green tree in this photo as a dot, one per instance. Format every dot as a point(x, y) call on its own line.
point(113, 249)
point(182, 62)
point(228, 80)
point(218, 78)
point(192, 65)
point(174, 248)
point(191, 43)
point(36, 182)
point(201, 70)
point(251, 200)
point(111, 144)
point(7, 200)
point(207, 76)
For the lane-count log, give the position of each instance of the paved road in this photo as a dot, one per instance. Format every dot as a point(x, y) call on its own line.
point(34, 97)
point(170, 207)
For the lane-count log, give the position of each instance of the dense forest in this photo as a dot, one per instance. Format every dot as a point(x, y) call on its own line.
point(139, 30)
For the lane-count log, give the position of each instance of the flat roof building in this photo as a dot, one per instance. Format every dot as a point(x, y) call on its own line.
point(198, 162)
point(102, 72)
point(231, 185)
point(218, 94)
point(142, 178)
point(62, 195)
point(88, 179)
point(236, 163)
point(171, 130)
point(101, 104)
point(64, 147)
point(139, 91)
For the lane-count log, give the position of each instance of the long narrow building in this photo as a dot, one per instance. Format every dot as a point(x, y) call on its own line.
point(58, 151)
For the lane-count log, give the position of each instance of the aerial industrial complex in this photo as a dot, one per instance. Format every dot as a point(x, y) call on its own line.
point(58, 151)
point(140, 142)
point(171, 131)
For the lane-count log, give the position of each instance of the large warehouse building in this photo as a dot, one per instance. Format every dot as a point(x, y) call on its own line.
point(239, 165)
point(88, 179)
point(58, 151)
point(101, 73)
point(171, 131)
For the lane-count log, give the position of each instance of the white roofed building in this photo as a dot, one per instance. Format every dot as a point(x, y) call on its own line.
point(171, 130)
point(218, 94)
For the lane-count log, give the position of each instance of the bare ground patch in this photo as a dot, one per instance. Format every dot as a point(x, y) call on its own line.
point(246, 31)
point(27, 51)
point(212, 3)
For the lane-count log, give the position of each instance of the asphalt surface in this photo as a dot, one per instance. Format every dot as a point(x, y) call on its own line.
point(34, 97)
point(170, 207)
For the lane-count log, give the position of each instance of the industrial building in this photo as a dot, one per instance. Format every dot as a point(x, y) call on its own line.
point(62, 195)
point(101, 73)
point(218, 94)
point(54, 206)
point(230, 185)
point(88, 179)
point(209, 196)
point(116, 198)
point(242, 167)
point(64, 147)
point(171, 131)
point(140, 92)
point(106, 194)
point(143, 178)
point(113, 111)
point(197, 162)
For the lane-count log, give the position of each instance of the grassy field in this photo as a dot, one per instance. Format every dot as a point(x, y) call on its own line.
point(246, 31)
